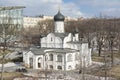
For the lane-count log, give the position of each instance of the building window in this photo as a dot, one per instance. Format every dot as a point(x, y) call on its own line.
point(51, 66)
point(69, 57)
point(59, 58)
point(59, 67)
point(39, 65)
point(51, 39)
point(51, 57)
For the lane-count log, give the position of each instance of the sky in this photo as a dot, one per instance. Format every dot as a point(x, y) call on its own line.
point(72, 8)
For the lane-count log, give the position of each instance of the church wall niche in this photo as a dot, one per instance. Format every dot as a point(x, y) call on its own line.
point(59, 58)
point(50, 57)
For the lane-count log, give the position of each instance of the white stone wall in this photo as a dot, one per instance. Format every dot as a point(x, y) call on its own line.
point(69, 64)
point(59, 27)
point(51, 41)
point(55, 63)
point(85, 54)
point(42, 61)
point(26, 57)
point(67, 39)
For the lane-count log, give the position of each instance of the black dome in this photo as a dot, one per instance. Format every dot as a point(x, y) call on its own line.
point(59, 17)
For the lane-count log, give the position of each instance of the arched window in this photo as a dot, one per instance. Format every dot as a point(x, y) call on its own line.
point(39, 62)
point(51, 39)
point(51, 57)
point(69, 57)
point(59, 58)
point(59, 67)
point(77, 56)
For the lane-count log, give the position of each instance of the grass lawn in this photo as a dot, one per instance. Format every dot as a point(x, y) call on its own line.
point(97, 58)
point(11, 75)
point(113, 72)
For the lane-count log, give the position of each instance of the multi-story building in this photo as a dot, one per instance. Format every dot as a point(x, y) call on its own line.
point(11, 21)
point(33, 21)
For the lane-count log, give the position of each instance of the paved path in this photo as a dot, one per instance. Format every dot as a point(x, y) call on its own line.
point(10, 67)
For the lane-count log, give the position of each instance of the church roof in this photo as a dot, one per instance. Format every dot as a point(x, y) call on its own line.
point(61, 50)
point(77, 42)
point(61, 35)
point(37, 51)
point(74, 42)
point(42, 51)
point(59, 17)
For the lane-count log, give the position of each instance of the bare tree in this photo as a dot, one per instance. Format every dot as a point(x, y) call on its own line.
point(9, 28)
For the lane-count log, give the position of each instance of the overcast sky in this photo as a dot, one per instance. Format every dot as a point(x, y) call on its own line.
point(73, 8)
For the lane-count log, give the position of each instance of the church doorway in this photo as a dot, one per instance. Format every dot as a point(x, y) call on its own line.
point(39, 62)
point(31, 62)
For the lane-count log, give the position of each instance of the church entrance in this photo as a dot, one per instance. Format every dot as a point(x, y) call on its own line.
point(31, 62)
point(39, 62)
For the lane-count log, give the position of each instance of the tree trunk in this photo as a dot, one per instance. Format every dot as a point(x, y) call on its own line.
point(99, 49)
point(2, 69)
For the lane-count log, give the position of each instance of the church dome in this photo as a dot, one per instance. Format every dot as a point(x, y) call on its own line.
point(59, 17)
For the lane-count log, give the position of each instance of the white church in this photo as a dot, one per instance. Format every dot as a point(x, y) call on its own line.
point(59, 50)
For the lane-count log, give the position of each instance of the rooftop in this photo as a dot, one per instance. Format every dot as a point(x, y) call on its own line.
point(42, 51)
point(11, 7)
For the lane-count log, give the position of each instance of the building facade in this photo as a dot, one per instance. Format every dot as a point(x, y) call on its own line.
point(59, 50)
point(30, 22)
point(11, 21)
point(33, 21)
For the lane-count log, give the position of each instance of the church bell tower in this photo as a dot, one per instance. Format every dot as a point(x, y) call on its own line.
point(59, 23)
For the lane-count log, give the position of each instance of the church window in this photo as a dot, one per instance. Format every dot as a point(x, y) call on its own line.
point(69, 57)
point(59, 58)
point(39, 65)
point(59, 67)
point(51, 57)
point(51, 66)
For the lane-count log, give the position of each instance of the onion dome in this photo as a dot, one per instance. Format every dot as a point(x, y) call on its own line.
point(59, 17)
